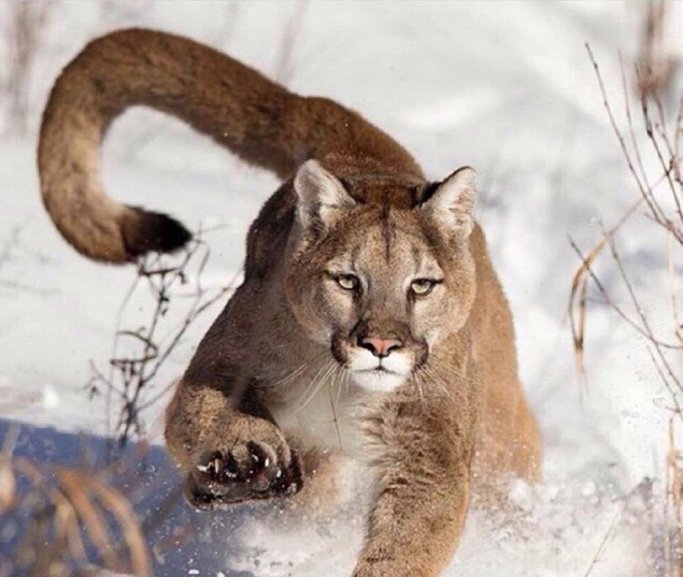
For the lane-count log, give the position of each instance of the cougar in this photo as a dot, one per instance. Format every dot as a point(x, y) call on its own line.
point(369, 298)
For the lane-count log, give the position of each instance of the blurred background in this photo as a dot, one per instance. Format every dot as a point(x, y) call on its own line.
point(506, 87)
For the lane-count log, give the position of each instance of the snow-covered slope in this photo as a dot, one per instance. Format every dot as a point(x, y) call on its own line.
point(506, 87)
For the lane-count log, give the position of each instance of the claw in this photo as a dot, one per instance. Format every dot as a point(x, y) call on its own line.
point(213, 466)
point(216, 465)
point(247, 472)
point(231, 469)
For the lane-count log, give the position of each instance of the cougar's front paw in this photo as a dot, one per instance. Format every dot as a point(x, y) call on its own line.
point(244, 471)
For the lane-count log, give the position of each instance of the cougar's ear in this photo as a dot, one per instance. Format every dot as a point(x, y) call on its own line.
point(451, 204)
point(321, 197)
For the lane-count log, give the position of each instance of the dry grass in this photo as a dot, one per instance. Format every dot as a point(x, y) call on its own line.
point(660, 202)
point(283, 68)
point(68, 521)
point(665, 217)
point(25, 24)
point(657, 65)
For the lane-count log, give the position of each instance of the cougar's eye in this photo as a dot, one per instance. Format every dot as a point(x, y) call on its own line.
point(422, 286)
point(348, 282)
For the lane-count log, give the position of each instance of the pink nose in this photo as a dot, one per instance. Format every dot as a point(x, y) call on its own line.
point(380, 347)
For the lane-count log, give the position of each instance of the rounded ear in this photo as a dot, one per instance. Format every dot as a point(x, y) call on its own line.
point(451, 205)
point(320, 196)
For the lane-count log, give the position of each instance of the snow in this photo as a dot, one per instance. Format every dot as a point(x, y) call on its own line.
point(504, 87)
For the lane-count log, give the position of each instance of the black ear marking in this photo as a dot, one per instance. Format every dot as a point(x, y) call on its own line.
point(346, 184)
point(425, 192)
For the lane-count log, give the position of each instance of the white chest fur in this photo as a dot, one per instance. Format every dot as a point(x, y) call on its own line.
point(327, 413)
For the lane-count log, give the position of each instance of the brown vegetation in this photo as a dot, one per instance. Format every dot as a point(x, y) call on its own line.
point(660, 201)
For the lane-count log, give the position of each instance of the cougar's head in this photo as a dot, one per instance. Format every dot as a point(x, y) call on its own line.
point(380, 283)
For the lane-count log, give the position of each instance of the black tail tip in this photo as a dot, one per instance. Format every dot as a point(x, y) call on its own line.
point(145, 231)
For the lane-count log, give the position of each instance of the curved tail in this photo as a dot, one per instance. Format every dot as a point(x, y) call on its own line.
point(239, 108)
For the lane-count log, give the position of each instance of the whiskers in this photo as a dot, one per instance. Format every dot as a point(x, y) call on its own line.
point(341, 381)
point(320, 378)
point(426, 377)
point(297, 372)
point(332, 375)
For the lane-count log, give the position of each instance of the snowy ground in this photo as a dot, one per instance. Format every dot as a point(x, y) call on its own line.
point(505, 87)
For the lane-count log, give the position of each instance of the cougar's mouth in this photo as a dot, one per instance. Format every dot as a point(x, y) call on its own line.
point(378, 380)
point(379, 370)
point(369, 372)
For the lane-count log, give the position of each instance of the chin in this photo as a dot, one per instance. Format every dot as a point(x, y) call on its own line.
point(378, 381)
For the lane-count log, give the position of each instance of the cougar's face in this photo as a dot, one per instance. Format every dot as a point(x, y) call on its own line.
point(378, 285)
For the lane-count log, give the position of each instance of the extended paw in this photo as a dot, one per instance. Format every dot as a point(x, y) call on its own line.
point(247, 471)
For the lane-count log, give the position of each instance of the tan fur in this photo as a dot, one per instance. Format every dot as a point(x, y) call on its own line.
point(279, 384)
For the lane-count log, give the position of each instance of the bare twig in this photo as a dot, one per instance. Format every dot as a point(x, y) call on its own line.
point(132, 374)
point(664, 351)
point(603, 543)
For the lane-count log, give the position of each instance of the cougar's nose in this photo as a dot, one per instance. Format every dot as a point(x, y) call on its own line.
point(380, 347)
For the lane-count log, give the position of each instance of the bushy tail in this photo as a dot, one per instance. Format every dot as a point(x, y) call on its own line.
point(238, 107)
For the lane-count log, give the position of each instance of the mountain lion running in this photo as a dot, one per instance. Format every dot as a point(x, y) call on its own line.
point(368, 296)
